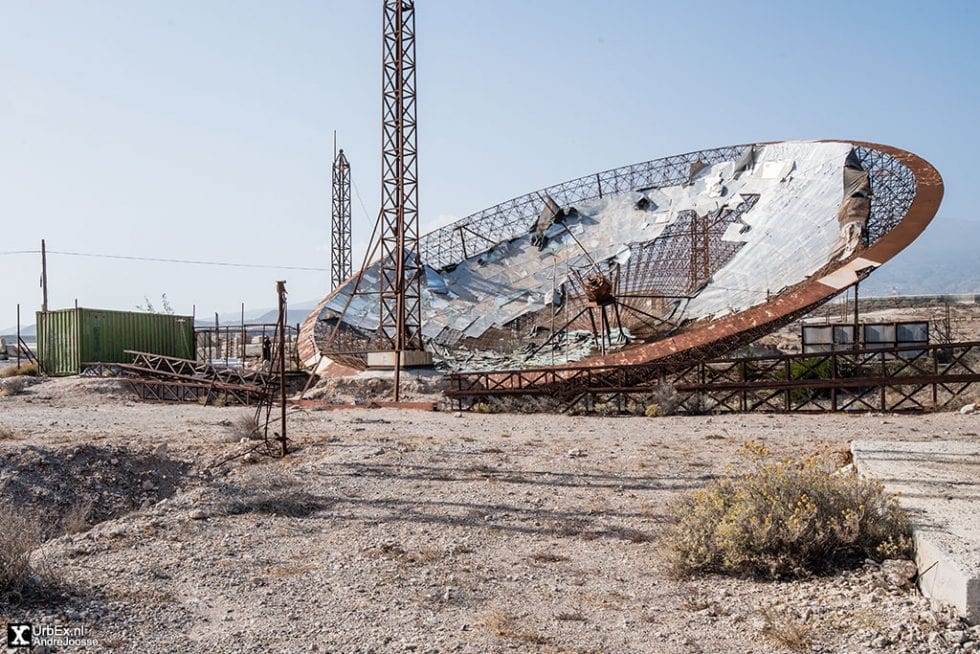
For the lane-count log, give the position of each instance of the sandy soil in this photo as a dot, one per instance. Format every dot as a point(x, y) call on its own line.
point(408, 531)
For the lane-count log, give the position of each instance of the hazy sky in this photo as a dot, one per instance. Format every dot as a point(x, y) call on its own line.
point(203, 130)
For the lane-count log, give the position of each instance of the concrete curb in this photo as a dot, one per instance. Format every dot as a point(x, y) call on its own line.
point(939, 483)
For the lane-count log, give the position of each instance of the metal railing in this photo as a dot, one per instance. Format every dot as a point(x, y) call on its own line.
point(910, 378)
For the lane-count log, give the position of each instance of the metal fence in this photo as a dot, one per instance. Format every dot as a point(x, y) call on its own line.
point(913, 378)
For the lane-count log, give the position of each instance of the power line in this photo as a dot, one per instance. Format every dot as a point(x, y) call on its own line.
point(195, 262)
point(367, 216)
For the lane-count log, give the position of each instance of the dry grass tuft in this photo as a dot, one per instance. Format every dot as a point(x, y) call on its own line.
point(695, 602)
point(501, 623)
point(279, 497)
point(25, 370)
point(20, 534)
point(291, 570)
point(570, 616)
point(568, 527)
point(425, 554)
point(395, 552)
point(784, 518)
point(786, 631)
point(246, 426)
point(631, 534)
point(664, 401)
point(75, 520)
point(547, 557)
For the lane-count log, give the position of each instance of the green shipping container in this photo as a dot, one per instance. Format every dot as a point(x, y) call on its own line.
point(69, 338)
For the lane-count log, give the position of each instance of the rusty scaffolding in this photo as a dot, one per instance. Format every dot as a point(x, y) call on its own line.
point(340, 232)
point(907, 378)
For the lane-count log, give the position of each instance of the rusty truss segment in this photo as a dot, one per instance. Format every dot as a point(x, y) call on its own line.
point(908, 378)
point(169, 379)
point(401, 268)
point(671, 267)
point(686, 255)
point(340, 228)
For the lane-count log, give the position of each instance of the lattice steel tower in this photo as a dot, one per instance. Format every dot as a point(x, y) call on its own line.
point(340, 247)
point(401, 270)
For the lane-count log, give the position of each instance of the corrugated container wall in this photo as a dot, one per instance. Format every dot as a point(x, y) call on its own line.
point(68, 338)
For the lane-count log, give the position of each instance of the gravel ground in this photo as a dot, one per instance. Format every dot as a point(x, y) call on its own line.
point(405, 531)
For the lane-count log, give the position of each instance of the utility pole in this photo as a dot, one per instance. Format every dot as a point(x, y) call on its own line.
point(244, 336)
point(858, 339)
point(281, 290)
point(44, 278)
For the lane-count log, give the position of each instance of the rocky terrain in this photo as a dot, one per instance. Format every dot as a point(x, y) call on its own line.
point(411, 531)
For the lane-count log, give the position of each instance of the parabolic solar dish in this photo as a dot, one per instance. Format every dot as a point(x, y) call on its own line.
point(686, 256)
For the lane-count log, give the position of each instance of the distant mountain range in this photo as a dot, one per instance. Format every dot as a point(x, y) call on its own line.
point(270, 317)
point(945, 259)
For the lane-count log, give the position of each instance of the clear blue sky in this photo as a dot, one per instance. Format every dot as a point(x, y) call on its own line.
point(202, 130)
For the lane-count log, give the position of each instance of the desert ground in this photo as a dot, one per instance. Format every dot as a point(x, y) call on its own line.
point(409, 531)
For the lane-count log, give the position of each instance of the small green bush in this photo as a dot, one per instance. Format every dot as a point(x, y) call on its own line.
point(811, 368)
point(784, 518)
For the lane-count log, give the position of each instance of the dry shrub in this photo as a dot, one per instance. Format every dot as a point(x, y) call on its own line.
point(570, 616)
point(506, 625)
point(20, 534)
point(784, 518)
point(25, 370)
point(664, 401)
point(246, 427)
point(547, 557)
point(786, 631)
point(75, 520)
point(12, 386)
point(277, 497)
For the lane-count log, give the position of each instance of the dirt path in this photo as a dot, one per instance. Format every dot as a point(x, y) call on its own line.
point(425, 532)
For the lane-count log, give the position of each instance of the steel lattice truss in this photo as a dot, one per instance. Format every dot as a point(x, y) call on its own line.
point(340, 232)
point(401, 268)
point(683, 258)
point(893, 190)
point(481, 231)
point(892, 182)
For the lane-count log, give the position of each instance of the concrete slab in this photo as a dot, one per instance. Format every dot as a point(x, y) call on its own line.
point(939, 482)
